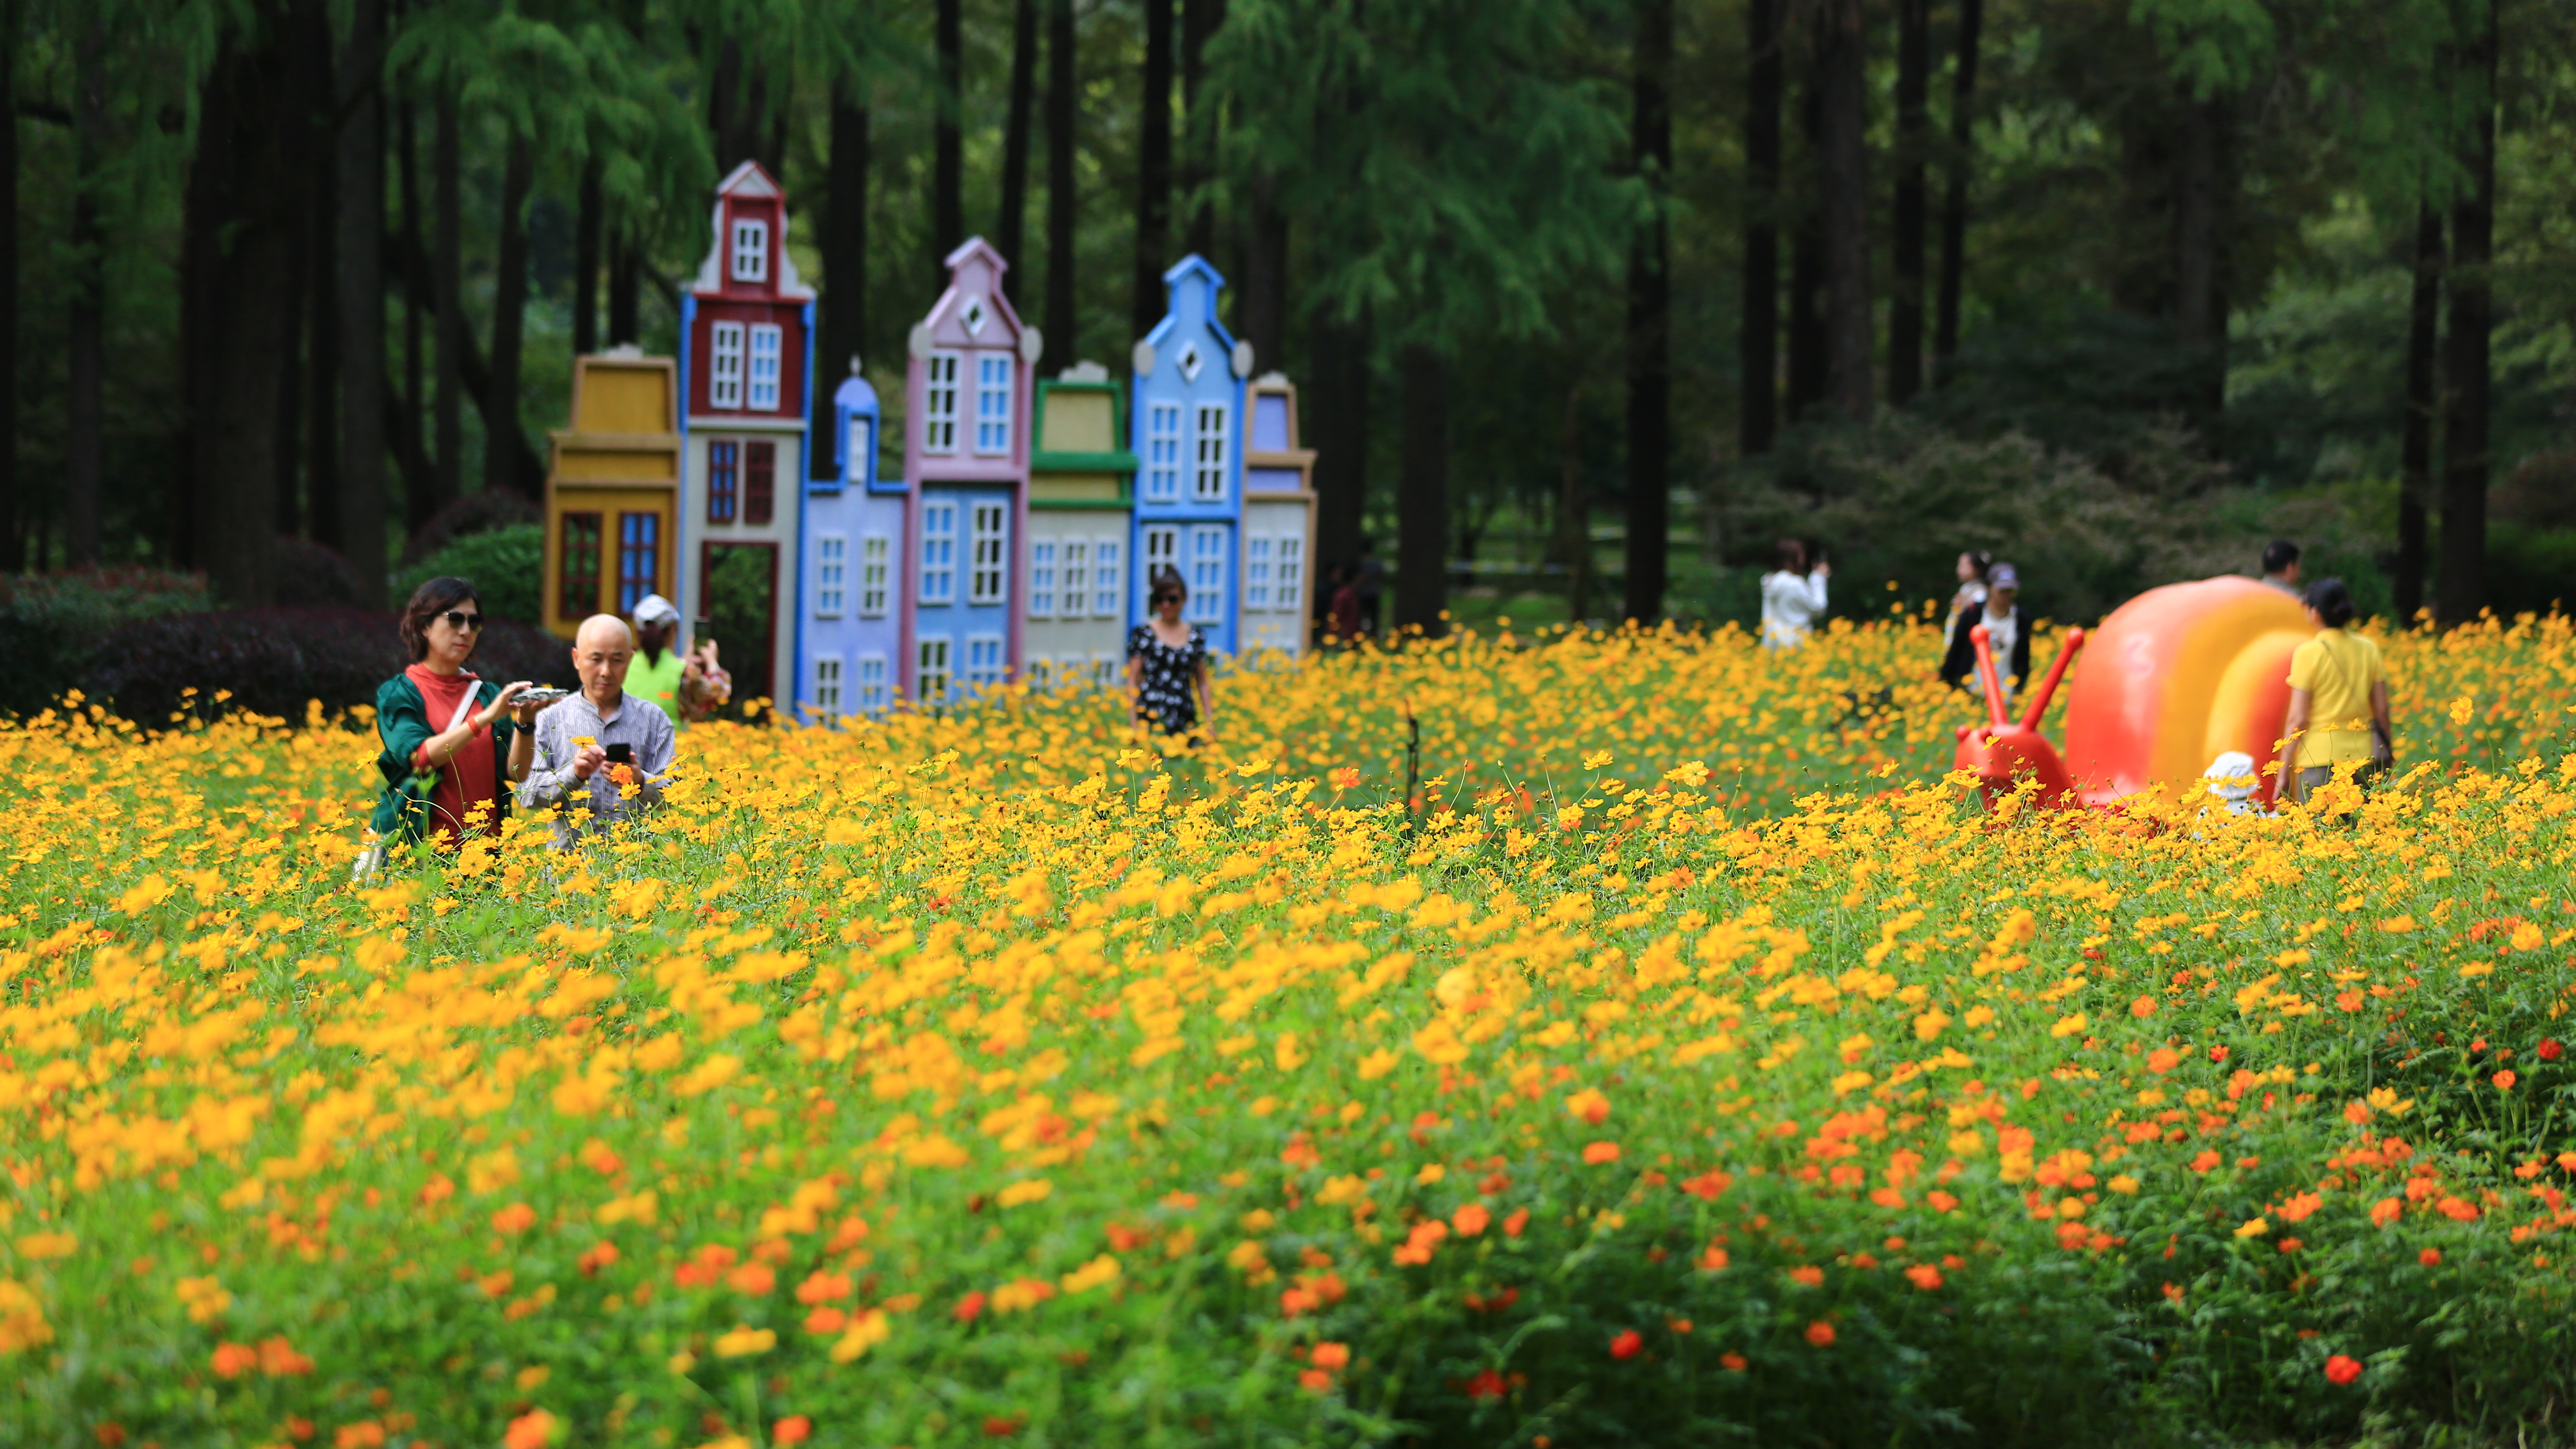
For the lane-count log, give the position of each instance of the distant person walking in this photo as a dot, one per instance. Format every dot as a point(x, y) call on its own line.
point(2281, 567)
point(1972, 582)
point(1793, 595)
point(2338, 700)
point(1168, 685)
point(453, 743)
point(1342, 618)
point(2007, 633)
point(1371, 584)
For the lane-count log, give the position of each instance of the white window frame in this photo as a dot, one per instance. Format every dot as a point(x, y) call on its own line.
point(750, 249)
point(1162, 545)
point(988, 662)
point(1104, 670)
point(724, 366)
point(869, 682)
point(1256, 573)
point(1073, 578)
point(939, 551)
point(1162, 452)
point(831, 574)
point(939, 401)
point(931, 673)
point(993, 381)
point(1042, 578)
point(989, 564)
point(826, 693)
point(1107, 588)
point(768, 365)
point(876, 573)
point(1211, 449)
point(859, 440)
point(1206, 575)
point(1288, 573)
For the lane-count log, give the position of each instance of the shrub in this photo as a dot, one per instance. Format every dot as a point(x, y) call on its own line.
point(274, 661)
point(484, 512)
point(50, 623)
point(507, 565)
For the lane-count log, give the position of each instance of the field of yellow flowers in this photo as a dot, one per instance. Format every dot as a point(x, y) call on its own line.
point(1679, 1061)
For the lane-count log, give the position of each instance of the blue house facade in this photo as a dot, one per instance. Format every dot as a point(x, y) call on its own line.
point(854, 545)
point(1186, 426)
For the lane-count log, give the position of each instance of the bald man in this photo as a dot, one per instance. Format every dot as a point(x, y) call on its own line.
point(600, 748)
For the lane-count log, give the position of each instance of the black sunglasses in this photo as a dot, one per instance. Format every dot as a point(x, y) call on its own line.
point(1167, 598)
point(461, 620)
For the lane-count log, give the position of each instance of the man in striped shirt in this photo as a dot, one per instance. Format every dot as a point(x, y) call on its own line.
point(600, 750)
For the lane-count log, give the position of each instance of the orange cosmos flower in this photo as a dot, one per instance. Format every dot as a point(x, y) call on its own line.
point(534, 1429)
point(1821, 1334)
point(1331, 1356)
point(1628, 1344)
point(1470, 1220)
point(2342, 1369)
point(794, 1429)
point(1597, 1153)
point(1924, 1276)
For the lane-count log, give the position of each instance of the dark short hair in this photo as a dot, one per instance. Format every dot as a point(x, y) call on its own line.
point(1168, 580)
point(1790, 555)
point(429, 601)
point(2332, 601)
point(2279, 554)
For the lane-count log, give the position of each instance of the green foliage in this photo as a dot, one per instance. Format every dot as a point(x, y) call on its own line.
point(506, 565)
point(50, 624)
point(1458, 165)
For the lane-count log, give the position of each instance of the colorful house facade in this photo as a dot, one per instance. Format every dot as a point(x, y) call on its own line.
point(967, 402)
point(746, 367)
point(1278, 522)
point(1081, 506)
point(1186, 422)
point(851, 611)
point(611, 490)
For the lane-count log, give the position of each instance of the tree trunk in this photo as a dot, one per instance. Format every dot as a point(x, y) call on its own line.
point(1954, 200)
point(948, 161)
point(1757, 414)
point(503, 442)
point(1061, 104)
point(1265, 276)
point(1574, 509)
point(13, 548)
point(845, 264)
point(1422, 496)
point(411, 447)
point(1154, 169)
point(1807, 350)
point(239, 252)
point(362, 313)
point(2466, 374)
point(1913, 138)
point(1199, 22)
point(447, 288)
point(2200, 312)
point(322, 516)
point(1842, 177)
point(2423, 403)
point(585, 259)
point(1010, 231)
point(1649, 325)
point(625, 287)
point(285, 493)
point(1338, 417)
point(85, 351)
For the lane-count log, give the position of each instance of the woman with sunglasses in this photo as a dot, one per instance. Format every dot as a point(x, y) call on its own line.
point(454, 744)
point(1167, 665)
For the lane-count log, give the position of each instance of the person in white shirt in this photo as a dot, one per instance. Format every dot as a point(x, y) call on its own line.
point(2006, 632)
point(1793, 596)
point(603, 755)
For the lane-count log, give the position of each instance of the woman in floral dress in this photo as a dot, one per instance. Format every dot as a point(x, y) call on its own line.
point(1168, 684)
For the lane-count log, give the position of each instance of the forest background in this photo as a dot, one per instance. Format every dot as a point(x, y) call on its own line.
point(1589, 300)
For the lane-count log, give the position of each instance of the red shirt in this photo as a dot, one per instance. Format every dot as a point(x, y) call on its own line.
point(466, 780)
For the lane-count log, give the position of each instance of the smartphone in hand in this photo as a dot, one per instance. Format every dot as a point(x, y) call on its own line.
point(621, 754)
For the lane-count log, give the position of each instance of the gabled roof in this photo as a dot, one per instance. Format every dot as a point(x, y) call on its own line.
point(1177, 284)
point(749, 180)
point(749, 183)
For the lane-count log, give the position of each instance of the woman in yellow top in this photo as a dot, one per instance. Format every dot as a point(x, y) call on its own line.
point(2338, 698)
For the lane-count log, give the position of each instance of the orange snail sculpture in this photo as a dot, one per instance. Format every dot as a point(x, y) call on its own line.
point(2173, 678)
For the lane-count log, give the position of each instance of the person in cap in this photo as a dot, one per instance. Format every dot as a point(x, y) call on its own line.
point(2232, 783)
point(601, 755)
point(2006, 631)
point(655, 672)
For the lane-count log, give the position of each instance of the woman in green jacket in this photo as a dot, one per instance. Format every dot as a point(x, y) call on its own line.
point(454, 744)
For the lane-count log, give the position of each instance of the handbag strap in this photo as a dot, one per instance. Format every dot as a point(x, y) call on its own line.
point(465, 706)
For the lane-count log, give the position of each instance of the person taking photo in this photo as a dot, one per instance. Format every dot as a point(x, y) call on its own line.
point(603, 754)
point(453, 743)
point(1793, 595)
